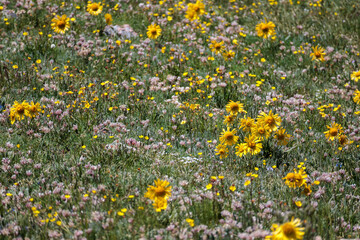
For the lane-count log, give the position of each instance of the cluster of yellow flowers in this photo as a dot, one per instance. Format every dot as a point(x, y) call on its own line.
point(265, 125)
point(159, 194)
point(60, 24)
point(335, 131)
point(195, 10)
point(267, 30)
point(19, 110)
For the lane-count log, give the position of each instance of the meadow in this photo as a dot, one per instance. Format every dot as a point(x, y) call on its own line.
point(196, 119)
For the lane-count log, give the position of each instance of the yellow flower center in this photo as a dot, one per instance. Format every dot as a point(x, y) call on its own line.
point(280, 136)
point(229, 136)
point(269, 120)
point(33, 109)
point(160, 191)
point(318, 54)
point(234, 107)
point(94, 7)
point(20, 109)
point(333, 132)
point(252, 145)
point(153, 31)
point(342, 140)
point(289, 230)
point(290, 177)
point(248, 124)
point(196, 8)
point(261, 130)
point(61, 24)
point(265, 29)
point(297, 178)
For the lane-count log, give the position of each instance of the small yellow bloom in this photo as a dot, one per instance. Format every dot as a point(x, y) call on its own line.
point(190, 222)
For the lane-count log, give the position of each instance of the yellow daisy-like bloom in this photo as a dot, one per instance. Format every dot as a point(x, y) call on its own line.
point(60, 24)
point(19, 111)
point(217, 47)
point(191, 14)
point(228, 137)
point(261, 131)
point(222, 151)
point(228, 55)
point(318, 54)
point(240, 149)
point(265, 29)
point(234, 107)
point(94, 8)
point(252, 145)
point(153, 31)
point(355, 76)
point(108, 19)
point(229, 119)
point(160, 190)
point(334, 131)
point(160, 204)
point(272, 120)
point(198, 7)
point(288, 231)
point(33, 109)
point(247, 123)
point(295, 179)
point(356, 97)
point(282, 137)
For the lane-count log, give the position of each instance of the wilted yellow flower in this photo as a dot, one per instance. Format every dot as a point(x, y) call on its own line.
point(282, 137)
